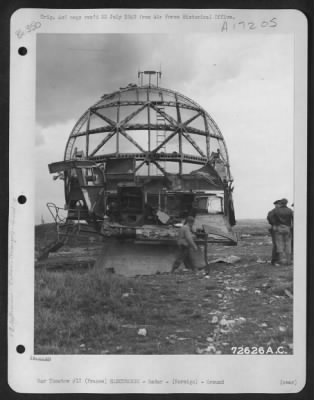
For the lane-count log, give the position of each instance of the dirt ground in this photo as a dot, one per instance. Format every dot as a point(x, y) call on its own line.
point(244, 307)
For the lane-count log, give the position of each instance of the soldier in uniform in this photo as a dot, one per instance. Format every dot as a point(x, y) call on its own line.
point(281, 220)
point(274, 254)
point(185, 242)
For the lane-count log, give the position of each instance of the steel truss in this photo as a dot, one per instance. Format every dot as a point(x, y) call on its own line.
point(175, 127)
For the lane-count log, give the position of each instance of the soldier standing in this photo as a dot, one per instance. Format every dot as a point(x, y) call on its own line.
point(274, 254)
point(185, 241)
point(281, 220)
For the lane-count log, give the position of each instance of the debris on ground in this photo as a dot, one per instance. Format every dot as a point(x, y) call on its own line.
point(241, 320)
point(142, 332)
point(88, 311)
point(288, 293)
point(207, 350)
point(228, 260)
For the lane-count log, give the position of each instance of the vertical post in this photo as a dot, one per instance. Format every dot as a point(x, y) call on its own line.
point(206, 253)
point(158, 76)
point(179, 135)
point(207, 137)
point(87, 133)
point(117, 130)
point(117, 141)
point(165, 201)
point(149, 131)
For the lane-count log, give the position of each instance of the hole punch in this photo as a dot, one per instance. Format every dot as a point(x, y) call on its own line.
point(20, 349)
point(22, 51)
point(22, 199)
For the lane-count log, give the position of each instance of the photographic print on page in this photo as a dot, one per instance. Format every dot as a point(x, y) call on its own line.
point(157, 235)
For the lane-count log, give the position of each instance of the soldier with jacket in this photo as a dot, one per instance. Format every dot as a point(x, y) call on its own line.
point(274, 255)
point(281, 220)
point(185, 242)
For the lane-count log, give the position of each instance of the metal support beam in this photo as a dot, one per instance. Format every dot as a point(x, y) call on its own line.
point(132, 115)
point(144, 157)
point(139, 102)
point(160, 168)
point(172, 121)
point(143, 127)
point(130, 139)
point(108, 120)
point(193, 118)
point(207, 137)
point(118, 119)
point(87, 133)
point(165, 141)
point(68, 148)
point(139, 166)
point(105, 140)
point(193, 143)
point(180, 135)
point(149, 131)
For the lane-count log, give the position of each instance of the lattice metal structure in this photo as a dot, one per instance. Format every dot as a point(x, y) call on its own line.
point(127, 123)
point(142, 159)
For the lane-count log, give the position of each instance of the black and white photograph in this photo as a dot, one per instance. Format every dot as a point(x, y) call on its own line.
point(159, 239)
point(165, 200)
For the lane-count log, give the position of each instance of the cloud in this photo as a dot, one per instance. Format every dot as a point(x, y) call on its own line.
point(51, 150)
point(39, 137)
point(73, 71)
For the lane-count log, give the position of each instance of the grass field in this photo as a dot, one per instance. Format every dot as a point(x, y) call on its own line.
point(91, 311)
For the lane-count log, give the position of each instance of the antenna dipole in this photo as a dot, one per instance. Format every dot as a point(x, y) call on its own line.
point(150, 73)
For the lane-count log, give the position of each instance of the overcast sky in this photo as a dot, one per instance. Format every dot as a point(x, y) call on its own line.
point(245, 82)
